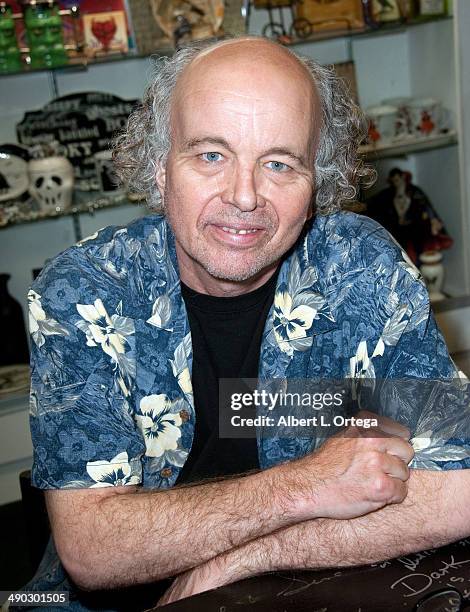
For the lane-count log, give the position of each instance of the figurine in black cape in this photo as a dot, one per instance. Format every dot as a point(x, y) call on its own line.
point(406, 212)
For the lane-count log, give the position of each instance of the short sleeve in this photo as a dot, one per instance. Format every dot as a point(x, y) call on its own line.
point(422, 386)
point(82, 367)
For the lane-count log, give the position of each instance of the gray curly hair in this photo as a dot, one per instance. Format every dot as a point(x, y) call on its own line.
point(339, 170)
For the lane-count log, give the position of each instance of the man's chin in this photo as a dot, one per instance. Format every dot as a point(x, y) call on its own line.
point(236, 272)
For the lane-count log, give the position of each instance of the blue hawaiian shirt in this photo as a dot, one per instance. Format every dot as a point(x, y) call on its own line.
point(111, 394)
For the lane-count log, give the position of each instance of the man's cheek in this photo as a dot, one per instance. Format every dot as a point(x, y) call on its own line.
point(225, 180)
point(220, 182)
point(268, 190)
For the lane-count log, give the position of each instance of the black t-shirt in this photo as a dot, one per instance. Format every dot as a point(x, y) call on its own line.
point(226, 337)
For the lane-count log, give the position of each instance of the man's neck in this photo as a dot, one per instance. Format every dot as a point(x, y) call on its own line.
point(209, 285)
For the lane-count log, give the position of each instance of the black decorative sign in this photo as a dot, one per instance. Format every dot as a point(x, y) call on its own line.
point(82, 124)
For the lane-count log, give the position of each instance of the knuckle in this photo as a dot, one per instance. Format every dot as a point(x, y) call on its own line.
point(371, 443)
point(383, 487)
point(375, 459)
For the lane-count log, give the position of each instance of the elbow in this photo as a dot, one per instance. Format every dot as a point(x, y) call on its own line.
point(84, 579)
point(80, 567)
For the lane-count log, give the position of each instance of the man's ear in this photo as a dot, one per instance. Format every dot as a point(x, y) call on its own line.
point(160, 177)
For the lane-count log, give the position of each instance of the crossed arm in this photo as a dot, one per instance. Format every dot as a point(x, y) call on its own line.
point(351, 502)
point(435, 512)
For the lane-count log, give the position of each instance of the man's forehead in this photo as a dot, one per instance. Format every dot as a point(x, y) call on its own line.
point(272, 95)
point(246, 62)
point(238, 99)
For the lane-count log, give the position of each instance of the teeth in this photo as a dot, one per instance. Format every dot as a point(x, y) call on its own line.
point(232, 230)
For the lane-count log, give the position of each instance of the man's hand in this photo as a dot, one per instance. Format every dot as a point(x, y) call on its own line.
point(209, 575)
point(355, 472)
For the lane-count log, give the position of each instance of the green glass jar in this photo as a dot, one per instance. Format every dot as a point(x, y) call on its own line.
point(10, 57)
point(44, 31)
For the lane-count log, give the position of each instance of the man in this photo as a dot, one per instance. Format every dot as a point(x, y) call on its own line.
point(250, 152)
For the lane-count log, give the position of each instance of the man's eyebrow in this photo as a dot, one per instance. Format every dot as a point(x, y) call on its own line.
point(192, 143)
point(288, 153)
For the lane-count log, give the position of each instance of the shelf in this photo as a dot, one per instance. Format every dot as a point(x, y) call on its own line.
point(382, 30)
point(408, 147)
point(82, 63)
point(17, 213)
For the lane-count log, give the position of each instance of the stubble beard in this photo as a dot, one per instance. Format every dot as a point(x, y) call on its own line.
point(226, 266)
point(223, 268)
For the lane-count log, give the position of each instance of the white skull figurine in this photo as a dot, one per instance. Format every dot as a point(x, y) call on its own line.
point(51, 183)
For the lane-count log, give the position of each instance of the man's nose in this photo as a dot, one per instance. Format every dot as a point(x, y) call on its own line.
point(242, 190)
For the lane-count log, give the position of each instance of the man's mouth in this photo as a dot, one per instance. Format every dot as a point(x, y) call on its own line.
point(233, 230)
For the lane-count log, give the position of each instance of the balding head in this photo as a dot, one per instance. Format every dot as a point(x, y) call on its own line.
point(256, 68)
point(254, 51)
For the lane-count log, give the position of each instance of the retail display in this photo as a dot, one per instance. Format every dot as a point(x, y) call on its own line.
point(382, 123)
point(84, 124)
point(38, 34)
point(290, 20)
point(384, 11)
point(433, 273)
point(81, 124)
point(339, 14)
point(105, 33)
point(51, 182)
point(431, 8)
point(427, 116)
point(400, 119)
point(406, 212)
point(303, 18)
point(10, 57)
point(184, 20)
point(44, 34)
point(106, 28)
point(13, 171)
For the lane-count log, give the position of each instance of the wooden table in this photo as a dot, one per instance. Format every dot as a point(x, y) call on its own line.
point(390, 586)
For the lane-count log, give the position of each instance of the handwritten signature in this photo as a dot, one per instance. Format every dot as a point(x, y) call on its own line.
point(306, 584)
point(417, 583)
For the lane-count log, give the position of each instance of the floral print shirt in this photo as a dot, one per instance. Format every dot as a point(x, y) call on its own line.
point(111, 395)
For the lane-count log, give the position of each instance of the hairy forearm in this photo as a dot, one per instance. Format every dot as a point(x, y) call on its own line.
point(143, 536)
point(435, 512)
point(118, 537)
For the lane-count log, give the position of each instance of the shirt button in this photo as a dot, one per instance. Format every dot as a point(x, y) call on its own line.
point(184, 415)
point(166, 472)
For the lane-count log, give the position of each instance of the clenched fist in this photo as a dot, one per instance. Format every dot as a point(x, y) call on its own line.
point(355, 472)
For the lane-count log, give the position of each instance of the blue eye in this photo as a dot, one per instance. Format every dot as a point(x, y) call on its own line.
point(212, 156)
point(278, 166)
